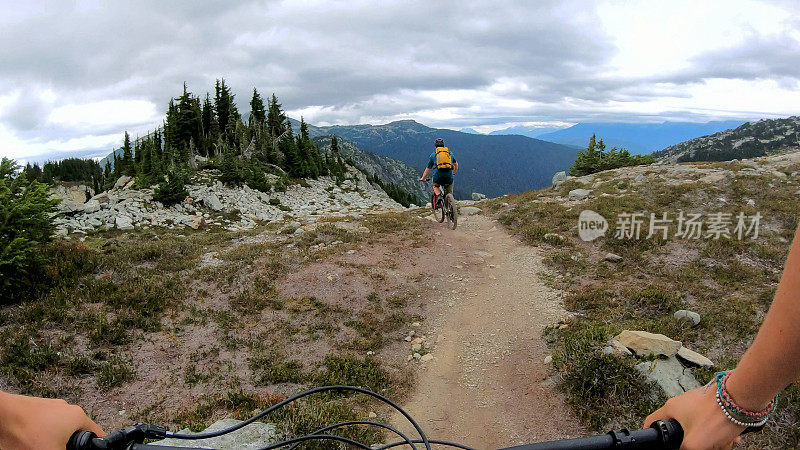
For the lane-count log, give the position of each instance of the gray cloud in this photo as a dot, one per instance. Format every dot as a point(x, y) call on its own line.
point(360, 60)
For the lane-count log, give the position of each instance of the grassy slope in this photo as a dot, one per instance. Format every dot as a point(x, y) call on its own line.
point(729, 282)
point(141, 307)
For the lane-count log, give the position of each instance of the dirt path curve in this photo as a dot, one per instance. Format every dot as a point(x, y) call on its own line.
point(486, 386)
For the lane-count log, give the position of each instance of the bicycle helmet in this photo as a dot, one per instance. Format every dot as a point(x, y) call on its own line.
point(439, 142)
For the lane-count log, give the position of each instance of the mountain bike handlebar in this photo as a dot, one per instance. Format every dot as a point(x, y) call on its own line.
point(661, 435)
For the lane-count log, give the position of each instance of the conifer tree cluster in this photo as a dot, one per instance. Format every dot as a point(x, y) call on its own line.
point(210, 133)
point(595, 159)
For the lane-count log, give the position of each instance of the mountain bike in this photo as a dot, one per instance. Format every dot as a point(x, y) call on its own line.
point(662, 435)
point(444, 206)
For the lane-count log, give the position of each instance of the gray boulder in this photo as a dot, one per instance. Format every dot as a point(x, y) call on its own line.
point(559, 178)
point(91, 206)
point(476, 196)
point(579, 194)
point(612, 257)
point(212, 201)
point(469, 210)
point(690, 317)
point(669, 375)
point(123, 222)
point(253, 436)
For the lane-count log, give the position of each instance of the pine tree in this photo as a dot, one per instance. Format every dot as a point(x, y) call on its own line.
point(127, 167)
point(258, 115)
point(292, 163)
point(26, 227)
point(276, 119)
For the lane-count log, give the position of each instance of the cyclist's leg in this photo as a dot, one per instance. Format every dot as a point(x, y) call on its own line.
point(448, 188)
point(436, 188)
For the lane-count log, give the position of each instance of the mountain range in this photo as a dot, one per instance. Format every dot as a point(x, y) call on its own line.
point(763, 137)
point(638, 138)
point(491, 165)
point(532, 132)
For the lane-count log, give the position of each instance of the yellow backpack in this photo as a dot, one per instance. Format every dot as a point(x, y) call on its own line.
point(443, 158)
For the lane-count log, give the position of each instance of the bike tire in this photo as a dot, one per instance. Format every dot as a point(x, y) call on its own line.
point(438, 211)
point(452, 211)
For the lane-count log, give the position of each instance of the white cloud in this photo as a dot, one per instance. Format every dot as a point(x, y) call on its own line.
point(120, 113)
point(73, 75)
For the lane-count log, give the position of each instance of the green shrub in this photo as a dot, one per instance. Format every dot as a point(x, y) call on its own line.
point(26, 227)
point(274, 201)
point(173, 190)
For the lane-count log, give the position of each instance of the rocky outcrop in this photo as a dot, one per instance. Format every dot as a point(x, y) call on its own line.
point(72, 196)
point(212, 204)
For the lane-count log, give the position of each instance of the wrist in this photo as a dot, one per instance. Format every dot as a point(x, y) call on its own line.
point(744, 394)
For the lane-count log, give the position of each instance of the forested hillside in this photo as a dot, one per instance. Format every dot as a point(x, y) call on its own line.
point(760, 138)
point(492, 165)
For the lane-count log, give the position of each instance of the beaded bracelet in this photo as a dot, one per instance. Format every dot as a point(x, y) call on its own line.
point(736, 413)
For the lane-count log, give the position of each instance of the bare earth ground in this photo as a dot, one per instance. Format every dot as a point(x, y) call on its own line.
point(486, 386)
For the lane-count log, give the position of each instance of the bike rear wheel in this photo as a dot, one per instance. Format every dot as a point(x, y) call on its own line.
point(439, 212)
point(452, 211)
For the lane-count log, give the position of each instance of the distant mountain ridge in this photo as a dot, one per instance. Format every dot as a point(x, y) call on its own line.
point(387, 169)
point(523, 130)
point(492, 165)
point(638, 138)
point(763, 137)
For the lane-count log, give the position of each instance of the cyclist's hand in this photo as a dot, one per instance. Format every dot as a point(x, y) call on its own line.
point(704, 424)
point(28, 423)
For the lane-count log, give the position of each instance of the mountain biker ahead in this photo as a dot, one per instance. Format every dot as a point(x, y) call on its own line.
point(445, 165)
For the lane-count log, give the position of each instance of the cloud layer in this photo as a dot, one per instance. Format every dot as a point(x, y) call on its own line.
point(78, 74)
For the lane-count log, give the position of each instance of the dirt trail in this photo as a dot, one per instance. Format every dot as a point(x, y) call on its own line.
point(486, 386)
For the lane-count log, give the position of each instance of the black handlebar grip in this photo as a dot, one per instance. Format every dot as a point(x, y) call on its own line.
point(81, 440)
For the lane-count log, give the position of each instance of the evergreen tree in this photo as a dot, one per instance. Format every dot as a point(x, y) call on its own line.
point(26, 225)
point(128, 167)
point(276, 119)
point(292, 162)
point(227, 113)
point(258, 114)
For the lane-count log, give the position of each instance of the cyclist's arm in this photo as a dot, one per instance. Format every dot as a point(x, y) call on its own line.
point(771, 364)
point(455, 166)
point(40, 423)
point(425, 173)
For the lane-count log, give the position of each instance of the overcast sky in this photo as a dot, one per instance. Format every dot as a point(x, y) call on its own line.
point(75, 75)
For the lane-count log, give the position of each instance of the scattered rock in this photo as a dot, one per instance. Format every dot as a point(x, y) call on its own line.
point(372, 415)
point(751, 202)
point(92, 206)
point(549, 358)
point(299, 231)
point(559, 178)
point(644, 343)
point(687, 316)
point(123, 223)
point(611, 257)
point(504, 205)
point(254, 436)
point(579, 194)
point(670, 375)
point(122, 181)
point(694, 357)
point(426, 357)
point(417, 356)
point(476, 196)
point(619, 347)
point(416, 347)
point(469, 210)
